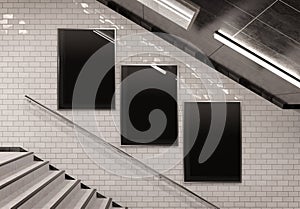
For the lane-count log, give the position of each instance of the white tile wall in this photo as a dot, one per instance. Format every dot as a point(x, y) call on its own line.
point(28, 62)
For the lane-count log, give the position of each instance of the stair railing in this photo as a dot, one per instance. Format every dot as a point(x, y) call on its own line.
point(148, 168)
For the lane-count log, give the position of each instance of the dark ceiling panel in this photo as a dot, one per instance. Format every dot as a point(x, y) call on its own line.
point(225, 12)
point(284, 19)
point(200, 34)
point(293, 3)
point(215, 15)
point(253, 7)
point(134, 6)
point(272, 44)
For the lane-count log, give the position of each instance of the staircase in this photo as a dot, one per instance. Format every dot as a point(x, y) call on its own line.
point(27, 182)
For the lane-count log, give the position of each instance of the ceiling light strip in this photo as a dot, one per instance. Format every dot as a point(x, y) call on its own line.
point(256, 58)
point(180, 12)
point(175, 9)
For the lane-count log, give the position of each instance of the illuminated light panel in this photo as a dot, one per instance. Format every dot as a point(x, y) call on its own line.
point(182, 13)
point(283, 73)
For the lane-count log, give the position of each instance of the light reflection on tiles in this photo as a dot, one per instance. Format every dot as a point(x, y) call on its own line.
point(23, 32)
point(86, 11)
point(7, 26)
point(84, 5)
point(8, 16)
point(195, 75)
point(3, 21)
point(226, 91)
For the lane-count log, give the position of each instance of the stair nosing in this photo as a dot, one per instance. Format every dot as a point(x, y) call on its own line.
point(16, 158)
point(108, 203)
point(87, 201)
point(25, 199)
point(65, 194)
point(22, 175)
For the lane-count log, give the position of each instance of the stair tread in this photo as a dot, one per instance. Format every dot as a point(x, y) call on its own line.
point(54, 196)
point(7, 157)
point(34, 181)
point(102, 203)
point(25, 191)
point(80, 198)
point(11, 178)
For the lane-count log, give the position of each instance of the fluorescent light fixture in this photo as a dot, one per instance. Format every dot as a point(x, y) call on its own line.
point(283, 73)
point(159, 69)
point(183, 13)
point(100, 33)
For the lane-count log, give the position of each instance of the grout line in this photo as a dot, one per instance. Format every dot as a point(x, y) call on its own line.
point(278, 31)
point(239, 8)
point(255, 18)
point(211, 54)
point(290, 6)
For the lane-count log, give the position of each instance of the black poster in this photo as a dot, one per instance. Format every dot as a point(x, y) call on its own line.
point(149, 105)
point(214, 152)
point(75, 47)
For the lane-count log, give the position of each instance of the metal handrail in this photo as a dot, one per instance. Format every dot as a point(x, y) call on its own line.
point(161, 176)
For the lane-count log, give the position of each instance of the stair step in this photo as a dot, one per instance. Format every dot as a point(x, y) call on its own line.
point(102, 203)
point(16, 183)
point(91, 203)
point(27, 182)
point(8, 157)
point(89, 199)
point(54, 196)
point(18, 175)
point(11, 162)
point(117, 206)
point(99, 202)
point(57, 190)
point(23, 194)
point(69, 197)
point(82, 198)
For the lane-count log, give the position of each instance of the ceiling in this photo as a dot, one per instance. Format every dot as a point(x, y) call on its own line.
point(271, 27)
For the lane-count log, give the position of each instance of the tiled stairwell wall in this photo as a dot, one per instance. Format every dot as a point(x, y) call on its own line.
point(28, 63)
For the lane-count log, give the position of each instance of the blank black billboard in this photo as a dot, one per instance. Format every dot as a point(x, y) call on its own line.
point(75, 47)
point(224, 164)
